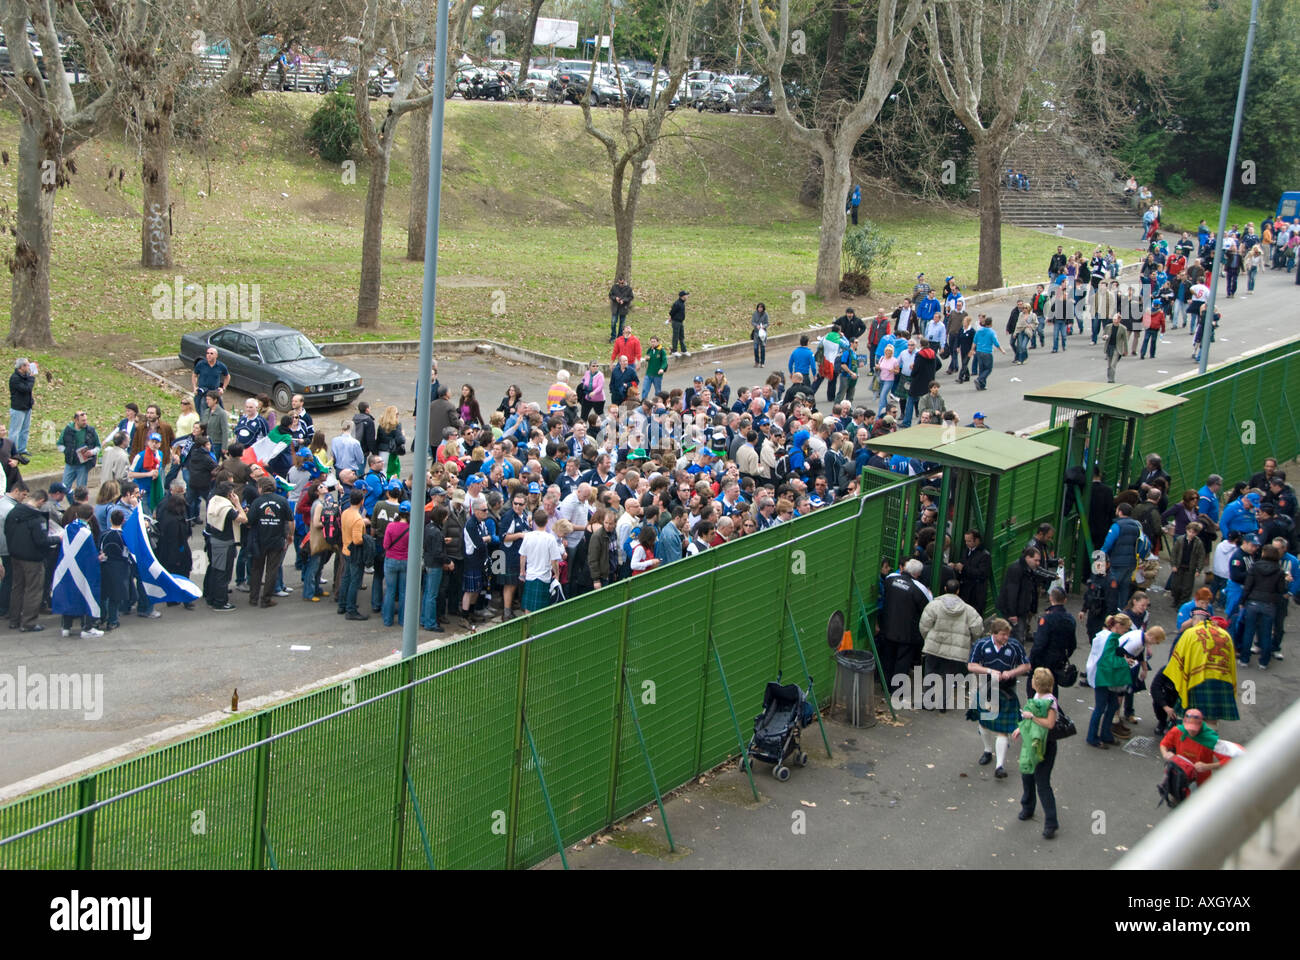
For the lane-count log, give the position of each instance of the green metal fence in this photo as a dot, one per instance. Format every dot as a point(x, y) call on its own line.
point(495, 751)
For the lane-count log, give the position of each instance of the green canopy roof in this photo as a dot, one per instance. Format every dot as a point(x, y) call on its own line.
point(968, 448)
point(1114, 399)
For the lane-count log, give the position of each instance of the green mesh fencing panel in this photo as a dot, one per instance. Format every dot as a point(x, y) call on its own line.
point(462, 752)
point(818, 586)
point(747, 617)
point(202, 819)
point(332, 786)
point(870, 546)
point(667, 641)
point(54, 848)
point(569, 705)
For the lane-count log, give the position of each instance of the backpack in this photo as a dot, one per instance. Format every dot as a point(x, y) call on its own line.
point(1175, 785)
point(331, 522)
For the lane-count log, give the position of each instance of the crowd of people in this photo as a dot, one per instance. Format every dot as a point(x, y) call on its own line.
point(1232, 573)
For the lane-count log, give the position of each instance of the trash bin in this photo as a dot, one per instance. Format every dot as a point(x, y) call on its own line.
point(854, 700)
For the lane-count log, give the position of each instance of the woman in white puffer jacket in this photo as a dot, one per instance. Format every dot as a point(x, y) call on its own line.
point(950, 626)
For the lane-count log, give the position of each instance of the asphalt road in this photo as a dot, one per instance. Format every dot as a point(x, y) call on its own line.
point(184, 666)
point(1249, 322)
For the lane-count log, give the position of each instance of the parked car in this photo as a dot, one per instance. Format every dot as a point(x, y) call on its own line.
point(276, 360)
point(718, 95)
point(536, 85)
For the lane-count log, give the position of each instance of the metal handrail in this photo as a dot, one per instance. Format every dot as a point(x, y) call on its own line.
point(1211, 827)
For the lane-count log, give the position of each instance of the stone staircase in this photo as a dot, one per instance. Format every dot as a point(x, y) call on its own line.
point(1047, 157)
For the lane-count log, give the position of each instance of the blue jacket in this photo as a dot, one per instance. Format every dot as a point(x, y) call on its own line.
point(927, 308)
point(1209, 504)
point(1237, 519)
point(801, 361)
point(1121, 543)
point(375, 483)
point(669, 545)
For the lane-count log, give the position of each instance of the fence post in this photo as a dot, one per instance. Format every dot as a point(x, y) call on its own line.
point(619, 683)
point(512, 815)
point(404, 706)
point(85, 838)
point(261, 790)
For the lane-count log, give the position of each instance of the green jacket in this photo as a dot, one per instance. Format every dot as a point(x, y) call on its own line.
point(1034, 736)
point(1112, 669)
point(656, 362)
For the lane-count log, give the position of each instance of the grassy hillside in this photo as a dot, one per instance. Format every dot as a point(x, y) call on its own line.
point(526, 213)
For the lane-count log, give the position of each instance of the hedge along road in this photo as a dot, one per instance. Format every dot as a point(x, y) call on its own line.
point(159, 674)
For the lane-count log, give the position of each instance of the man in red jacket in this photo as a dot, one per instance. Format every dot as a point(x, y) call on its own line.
point(628, 346)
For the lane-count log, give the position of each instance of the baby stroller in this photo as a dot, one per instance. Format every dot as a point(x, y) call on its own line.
point(776, 730)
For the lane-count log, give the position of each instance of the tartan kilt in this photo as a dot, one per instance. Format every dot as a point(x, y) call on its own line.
point(537, 595)
point(1008, 717)
point(511, 576)
point(471, 580)
point(1215, 699)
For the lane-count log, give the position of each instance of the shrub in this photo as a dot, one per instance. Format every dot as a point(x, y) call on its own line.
point(867, 249)
point(855, 283)
point(333, 127)
point(1178, 185)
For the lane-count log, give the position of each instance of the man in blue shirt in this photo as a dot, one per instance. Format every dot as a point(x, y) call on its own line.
point(801, 360)
point(1239, 516)
point(846, 372)
point(986, 341)
point(1209, 494)
point(209, 374)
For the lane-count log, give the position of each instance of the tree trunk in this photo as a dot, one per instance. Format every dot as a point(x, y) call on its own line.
point(372, 238)
point(835, 188)
point(155, 226)
point(421, 129)
point(29, 318)
point(625, 215)
point(526, 53)
point(988, 158)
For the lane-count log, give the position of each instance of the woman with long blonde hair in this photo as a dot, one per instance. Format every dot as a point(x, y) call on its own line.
point(389, 439)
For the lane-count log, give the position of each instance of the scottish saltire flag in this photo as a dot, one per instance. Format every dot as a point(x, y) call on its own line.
point(159, 585)
point(75, 590)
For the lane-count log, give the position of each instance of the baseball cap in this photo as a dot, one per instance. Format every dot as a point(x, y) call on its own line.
point(637, 454)
point(534, 488)
point(404, 506)
point(156, 436)
point(683, 293)
point(920, 275)
point(978, 416)
point(718, 370)
point(395, 485)
point(1250, 538)
point(57, 487)
point(437, 492)
point(1220, 622)
point(476, 478)
point(699, 378)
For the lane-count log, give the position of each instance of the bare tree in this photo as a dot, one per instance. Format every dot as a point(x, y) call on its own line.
point(983, 53)
point(422, 128)
point(52, 127)
point(630, 144)
point(526, 46)
point(402, 31)
point(833, 136)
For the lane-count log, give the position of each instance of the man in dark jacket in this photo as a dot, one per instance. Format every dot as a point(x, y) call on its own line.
point(29, 545)
point(364, 428)
point(620, 300)
point(1054, 640)
point(975, 570)
point(21, 382)
point(442, 414)
point(1101, 508)
point(924, 367)
point(903, 599)
point(849, 324)
point(1018, 598)
point(677, 315)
